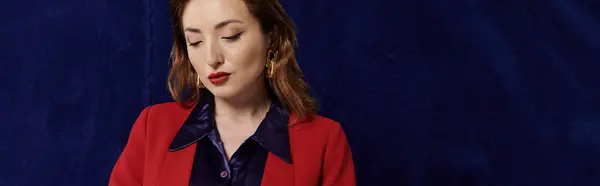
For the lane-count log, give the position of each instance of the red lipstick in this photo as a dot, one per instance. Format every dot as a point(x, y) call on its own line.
point(218, 77)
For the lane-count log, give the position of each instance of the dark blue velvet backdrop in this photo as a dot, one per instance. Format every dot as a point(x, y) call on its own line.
point(430, 92)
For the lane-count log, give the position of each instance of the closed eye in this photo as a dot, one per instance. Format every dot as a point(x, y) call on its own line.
point(233, 37)
point(195, 43)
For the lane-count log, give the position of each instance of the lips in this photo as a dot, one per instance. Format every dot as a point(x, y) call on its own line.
point(218, 77)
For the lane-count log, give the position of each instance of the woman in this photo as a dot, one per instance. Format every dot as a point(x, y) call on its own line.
point(242, 114)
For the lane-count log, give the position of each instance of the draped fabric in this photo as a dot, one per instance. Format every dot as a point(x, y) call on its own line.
point(429, 92)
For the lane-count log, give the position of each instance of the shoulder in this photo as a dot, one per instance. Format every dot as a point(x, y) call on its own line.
point(160, 123)
point(166, 110)
point(317, 136)
point(317, 126)
point(165, 116)
point(318, 122)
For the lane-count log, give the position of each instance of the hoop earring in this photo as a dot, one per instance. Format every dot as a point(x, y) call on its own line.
point(271, 56)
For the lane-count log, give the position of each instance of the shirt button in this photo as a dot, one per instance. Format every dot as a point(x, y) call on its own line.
point(224, 174)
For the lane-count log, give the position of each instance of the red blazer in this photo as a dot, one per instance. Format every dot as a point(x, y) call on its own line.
point(320, 153)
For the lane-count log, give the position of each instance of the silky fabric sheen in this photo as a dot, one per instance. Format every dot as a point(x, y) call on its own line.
point(246, 166)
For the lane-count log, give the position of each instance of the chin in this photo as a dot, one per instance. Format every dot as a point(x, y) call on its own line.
point(223, 92)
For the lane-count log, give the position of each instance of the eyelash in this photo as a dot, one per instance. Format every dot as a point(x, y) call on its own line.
point(233, 37)
point(195, 43)
point(230, 38)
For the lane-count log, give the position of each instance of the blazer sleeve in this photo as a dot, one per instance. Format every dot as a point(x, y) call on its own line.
point(338, 166)
point(129, 169)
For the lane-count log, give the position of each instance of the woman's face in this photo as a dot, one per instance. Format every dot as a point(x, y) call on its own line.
point(225, 45)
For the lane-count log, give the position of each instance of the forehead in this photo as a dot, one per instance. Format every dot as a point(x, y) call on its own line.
point(206, 13)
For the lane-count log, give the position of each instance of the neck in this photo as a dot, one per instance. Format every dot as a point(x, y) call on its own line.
point(252, 104)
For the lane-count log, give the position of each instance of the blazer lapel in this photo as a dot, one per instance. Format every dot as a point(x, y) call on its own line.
point(277, 172)
point(177, 167)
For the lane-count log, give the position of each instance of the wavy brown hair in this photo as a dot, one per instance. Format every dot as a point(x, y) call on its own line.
point(287, 81)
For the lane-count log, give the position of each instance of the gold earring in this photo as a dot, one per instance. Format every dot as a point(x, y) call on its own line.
point(271, 69)
point(271, 63)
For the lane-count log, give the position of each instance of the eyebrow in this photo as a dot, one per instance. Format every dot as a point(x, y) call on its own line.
point(217, 26)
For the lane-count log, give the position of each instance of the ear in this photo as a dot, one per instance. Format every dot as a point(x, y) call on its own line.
point(272, 37)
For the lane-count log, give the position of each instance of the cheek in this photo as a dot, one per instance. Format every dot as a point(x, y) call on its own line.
point(250, 64)
point(249, 58)
point(195, 58)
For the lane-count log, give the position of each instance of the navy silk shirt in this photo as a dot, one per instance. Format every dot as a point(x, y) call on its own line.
point(247, 164)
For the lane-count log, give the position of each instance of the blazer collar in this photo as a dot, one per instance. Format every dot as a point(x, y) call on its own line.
point(272, 133)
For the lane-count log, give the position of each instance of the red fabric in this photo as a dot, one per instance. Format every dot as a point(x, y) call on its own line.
point(320, 153)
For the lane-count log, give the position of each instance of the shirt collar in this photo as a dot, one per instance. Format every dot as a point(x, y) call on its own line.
point(272, 133)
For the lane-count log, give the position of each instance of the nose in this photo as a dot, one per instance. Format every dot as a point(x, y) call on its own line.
point(214, 53)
